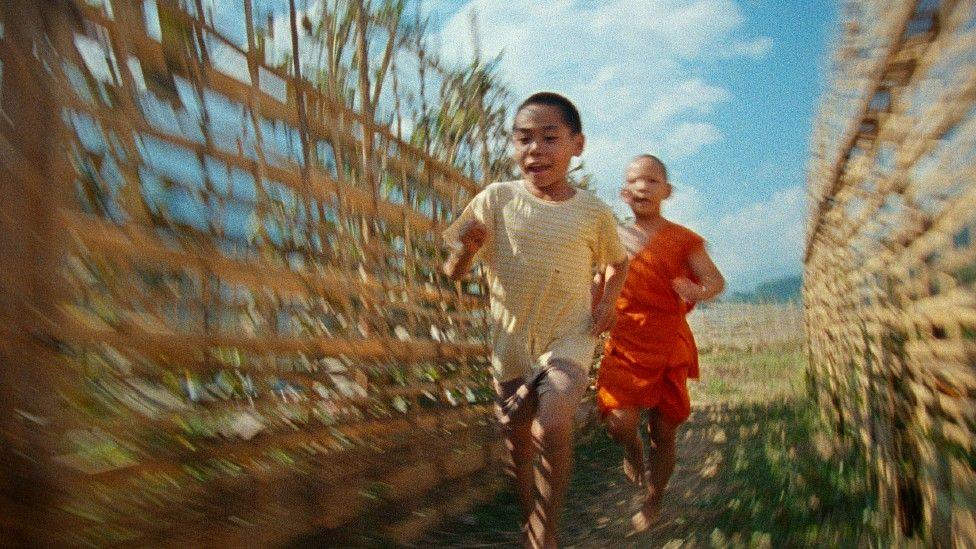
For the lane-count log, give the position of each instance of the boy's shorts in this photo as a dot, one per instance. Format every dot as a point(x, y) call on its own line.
point(518, 399)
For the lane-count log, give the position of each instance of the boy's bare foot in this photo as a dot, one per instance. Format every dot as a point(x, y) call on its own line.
point(634, 474)
point(647, 516)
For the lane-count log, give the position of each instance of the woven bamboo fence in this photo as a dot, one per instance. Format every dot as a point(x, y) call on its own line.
point(747, 326)
point(223, 322)
point(891, 259)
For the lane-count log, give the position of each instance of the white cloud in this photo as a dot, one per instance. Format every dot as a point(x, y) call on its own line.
point(686, 205)
point(684, 28)
point(755, 49)
point(763, 240)
point(689, 138)
point(632, 66)
point(691, 95)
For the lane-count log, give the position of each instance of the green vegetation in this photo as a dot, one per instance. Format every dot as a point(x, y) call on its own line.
point(745, 377)
point(755, 469)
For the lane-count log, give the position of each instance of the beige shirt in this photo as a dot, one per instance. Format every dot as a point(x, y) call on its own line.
point(539, 259)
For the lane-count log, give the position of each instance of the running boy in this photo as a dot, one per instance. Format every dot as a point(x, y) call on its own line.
point(651, 352)
point(539, 239)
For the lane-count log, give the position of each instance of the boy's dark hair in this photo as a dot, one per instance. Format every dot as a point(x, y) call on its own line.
point(571, 115)
point(656, 159)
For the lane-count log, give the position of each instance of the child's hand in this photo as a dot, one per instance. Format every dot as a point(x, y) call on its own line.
point(686, 289)
point(596, 291)
point(473, 235)
point(604, 317)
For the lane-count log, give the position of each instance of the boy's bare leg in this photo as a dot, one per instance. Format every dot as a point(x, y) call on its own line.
point(522, 449)
point(661, 460)
point(622, 425)
point(516, 409)
point(559, 396)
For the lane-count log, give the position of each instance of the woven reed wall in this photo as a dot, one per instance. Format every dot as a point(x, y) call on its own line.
point(891, 259)
point(223, 319)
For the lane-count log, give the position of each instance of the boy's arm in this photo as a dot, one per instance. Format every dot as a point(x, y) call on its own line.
point(712, 281)
point(605, 312)
point(472, 237)
point(458, 263)
point(596, 290)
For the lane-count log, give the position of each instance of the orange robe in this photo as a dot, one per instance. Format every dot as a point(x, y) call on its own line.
point(651, 352)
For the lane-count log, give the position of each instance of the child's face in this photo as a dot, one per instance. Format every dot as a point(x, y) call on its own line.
point(544, 144)
point(646, 187)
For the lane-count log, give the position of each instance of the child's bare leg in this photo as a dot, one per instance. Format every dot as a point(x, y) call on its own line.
point(522, 449)
point(622, 425)
point(516, 412)
point(661, 460)
point(559, 397)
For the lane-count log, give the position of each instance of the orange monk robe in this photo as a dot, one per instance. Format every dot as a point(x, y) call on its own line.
point(651, 352)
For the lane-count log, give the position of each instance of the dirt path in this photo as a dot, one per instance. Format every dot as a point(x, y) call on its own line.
point(602, 501)
point(749, 474)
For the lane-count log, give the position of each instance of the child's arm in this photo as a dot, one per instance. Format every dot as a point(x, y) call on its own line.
point(605, 311)
point(473, 236)
point(596, 290)
point(712, 281)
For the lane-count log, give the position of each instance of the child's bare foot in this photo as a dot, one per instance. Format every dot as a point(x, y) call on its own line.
point(647, 516)
point(634, 473)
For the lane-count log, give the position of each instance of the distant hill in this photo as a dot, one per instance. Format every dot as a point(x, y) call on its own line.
point(779, 290)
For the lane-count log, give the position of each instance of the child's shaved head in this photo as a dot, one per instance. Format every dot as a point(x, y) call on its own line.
point(656, 159)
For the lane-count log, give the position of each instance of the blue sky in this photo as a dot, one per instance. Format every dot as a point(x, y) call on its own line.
point(724, 90)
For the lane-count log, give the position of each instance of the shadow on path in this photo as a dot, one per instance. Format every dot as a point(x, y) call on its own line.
point(750, 475)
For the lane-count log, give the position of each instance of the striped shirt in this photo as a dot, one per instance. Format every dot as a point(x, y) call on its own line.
point(539, 258)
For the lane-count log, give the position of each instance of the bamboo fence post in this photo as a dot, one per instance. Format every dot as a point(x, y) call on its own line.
point(232, 337)
point(31, 246)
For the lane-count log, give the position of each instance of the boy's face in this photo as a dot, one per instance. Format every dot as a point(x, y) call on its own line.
point(646, 186)
point(544, 144)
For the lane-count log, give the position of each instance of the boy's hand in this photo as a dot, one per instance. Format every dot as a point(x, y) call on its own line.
point(473, 235)
point(604, 317)
point(596, 291)
point(686, 289)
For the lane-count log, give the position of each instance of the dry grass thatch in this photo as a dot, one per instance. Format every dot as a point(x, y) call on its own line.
point(891, 258)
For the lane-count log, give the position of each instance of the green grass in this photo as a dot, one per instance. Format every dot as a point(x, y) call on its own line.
point(755, 469)
point(741, 376)
point(783, 481)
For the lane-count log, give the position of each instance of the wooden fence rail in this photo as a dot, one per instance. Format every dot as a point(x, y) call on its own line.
point(891, 259)
point(747, 326)
point(222, 316)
